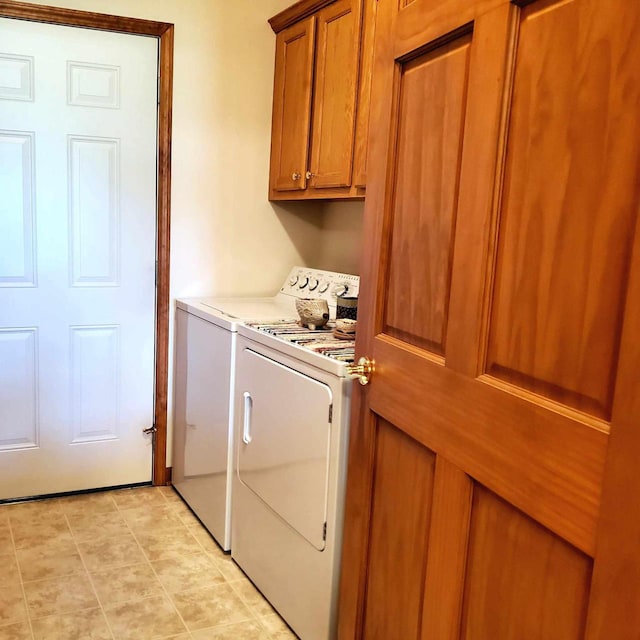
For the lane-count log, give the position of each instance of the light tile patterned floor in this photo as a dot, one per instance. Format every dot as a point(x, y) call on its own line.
point(133, 564)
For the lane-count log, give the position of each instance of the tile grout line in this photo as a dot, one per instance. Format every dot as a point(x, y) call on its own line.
point(65, 613)
point(24, 593)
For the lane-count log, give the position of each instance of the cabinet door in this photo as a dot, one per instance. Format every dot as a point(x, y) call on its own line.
point(334, 104)
point(364, 93)
point(292, 105)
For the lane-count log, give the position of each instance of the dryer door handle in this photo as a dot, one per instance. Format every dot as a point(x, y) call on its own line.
point(246, 425)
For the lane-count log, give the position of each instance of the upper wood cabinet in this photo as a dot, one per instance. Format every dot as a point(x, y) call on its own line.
point(321, 99)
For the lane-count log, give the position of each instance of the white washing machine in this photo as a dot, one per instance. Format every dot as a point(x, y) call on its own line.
point(206, 337)
point(203, 411)
point(292, 400)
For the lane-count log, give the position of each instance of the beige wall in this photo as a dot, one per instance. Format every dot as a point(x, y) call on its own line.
point(226, 238)
point(341, 245)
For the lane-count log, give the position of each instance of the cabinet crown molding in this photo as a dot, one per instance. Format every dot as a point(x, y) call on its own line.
point(294, 13)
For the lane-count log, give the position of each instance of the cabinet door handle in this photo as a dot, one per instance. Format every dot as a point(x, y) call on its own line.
point(246, 425)
point(309, 175)
point(295, 176)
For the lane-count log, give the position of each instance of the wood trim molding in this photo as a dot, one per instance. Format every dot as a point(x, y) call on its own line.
point(165, 69)
point(298, 11)
point(75, 18)
point(163, 31)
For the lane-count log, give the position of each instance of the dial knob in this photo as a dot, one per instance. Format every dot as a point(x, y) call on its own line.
point(293, 281)
point(340, 289)
point(303, 283)
point(313, 284)
point(323, 287)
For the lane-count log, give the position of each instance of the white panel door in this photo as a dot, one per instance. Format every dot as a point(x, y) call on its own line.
point(78, 121)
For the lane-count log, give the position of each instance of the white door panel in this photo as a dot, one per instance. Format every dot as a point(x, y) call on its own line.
point(78, 121)
point(19, 390)
point(17, 213)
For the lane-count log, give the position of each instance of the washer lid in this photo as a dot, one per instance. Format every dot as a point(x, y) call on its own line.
point(228, 313)
point(252, 308)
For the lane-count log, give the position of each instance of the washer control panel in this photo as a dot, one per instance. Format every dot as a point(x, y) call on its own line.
point(303, 282)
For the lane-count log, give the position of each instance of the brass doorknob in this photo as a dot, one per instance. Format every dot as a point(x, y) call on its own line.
point(363, 370)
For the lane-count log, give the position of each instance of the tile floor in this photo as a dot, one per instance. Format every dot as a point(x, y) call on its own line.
point(133, 564)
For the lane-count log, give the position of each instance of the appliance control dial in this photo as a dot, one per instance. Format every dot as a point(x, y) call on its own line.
point(293, 281)
point(313, 284)
point(323, 287)
point(303, 282)
point(340, 289)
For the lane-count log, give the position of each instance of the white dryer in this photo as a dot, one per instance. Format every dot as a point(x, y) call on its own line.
point(292, 402)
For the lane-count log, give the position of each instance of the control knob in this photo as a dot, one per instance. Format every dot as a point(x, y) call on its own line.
point(293, 281)
point(323, 287)
point(303, 283)
point(313, 284)
point(340, 289)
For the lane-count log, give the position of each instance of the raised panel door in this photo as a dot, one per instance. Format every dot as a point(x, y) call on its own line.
point(78, 184)
point(500, 300)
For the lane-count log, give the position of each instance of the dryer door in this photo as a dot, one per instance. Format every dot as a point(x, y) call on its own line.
point(283, 442)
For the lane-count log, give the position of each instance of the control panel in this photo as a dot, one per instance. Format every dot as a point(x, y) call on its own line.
point(303, 282)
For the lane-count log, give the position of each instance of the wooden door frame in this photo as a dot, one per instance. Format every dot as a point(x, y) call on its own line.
point(164, 32)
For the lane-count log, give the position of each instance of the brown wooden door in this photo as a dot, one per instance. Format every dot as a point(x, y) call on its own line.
point(292, 105)
point(335, 93)
point(493, 469)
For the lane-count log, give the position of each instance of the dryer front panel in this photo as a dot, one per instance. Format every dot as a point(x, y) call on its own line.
point(283, 432)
